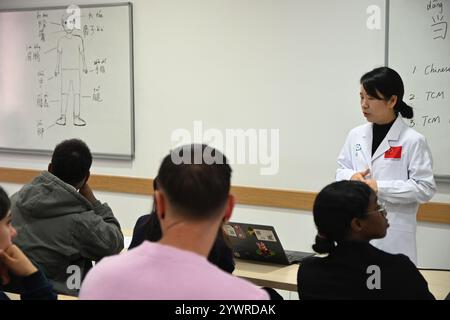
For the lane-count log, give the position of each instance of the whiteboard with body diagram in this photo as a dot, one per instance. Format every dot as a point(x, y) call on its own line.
point(67, 72)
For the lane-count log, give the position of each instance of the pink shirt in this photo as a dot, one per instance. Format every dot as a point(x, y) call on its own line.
point(161, 272)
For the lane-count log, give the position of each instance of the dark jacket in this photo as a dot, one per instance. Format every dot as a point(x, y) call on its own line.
point(57, 227)
point(148, 228)
point(348, 272)
point(35, 287)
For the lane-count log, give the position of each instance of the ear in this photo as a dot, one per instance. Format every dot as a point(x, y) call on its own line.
point(50, 167)
point(88, 174)
point(356, 225)
point(392, 102)
point(229, 208)
point(160, 205)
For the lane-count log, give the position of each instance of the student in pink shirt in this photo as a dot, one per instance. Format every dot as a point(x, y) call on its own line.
point(192, 201)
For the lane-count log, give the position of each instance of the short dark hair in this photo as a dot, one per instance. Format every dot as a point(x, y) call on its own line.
point(71, 161)
point(5, 203)
point(389, 83)
point(334, 208)
point(199, 185)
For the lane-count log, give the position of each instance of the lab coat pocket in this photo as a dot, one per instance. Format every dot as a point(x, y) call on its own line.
point(393, 169)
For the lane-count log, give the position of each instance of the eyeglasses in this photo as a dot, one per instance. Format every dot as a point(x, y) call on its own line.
point(381, 209)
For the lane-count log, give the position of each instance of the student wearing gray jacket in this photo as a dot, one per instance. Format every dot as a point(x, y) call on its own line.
point(61, 226)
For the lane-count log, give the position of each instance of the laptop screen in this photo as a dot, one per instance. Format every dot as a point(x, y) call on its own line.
point(258, 243)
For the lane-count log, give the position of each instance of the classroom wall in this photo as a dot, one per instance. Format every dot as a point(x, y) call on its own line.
point(296, 228)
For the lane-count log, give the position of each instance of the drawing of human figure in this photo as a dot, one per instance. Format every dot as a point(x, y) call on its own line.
point(70, 50)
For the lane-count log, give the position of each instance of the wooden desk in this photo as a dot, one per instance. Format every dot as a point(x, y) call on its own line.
point(127, 235)
point(268, 275)
point(285, 277)
point(15, 296)
point(438, 282)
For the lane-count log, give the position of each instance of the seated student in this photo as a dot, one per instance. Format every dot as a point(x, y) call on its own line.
point(13, 260)
point(347, 217)
point(148, 228)
point(192, 201)
point(60, 223)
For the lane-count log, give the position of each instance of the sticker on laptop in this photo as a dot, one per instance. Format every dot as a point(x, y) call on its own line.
point(240, 234)
point(229, 230)
point(264, 235)
point(263, 250)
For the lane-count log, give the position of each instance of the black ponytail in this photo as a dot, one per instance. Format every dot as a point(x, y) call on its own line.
point(323, 245)
point(405, 110)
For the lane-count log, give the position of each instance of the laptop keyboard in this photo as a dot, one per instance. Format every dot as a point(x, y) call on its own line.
point(297, 256)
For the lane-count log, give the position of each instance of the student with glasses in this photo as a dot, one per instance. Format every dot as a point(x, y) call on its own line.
point(380, 210)
point(348, 216)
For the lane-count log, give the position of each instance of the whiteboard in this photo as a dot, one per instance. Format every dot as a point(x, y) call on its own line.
point(284, 72)
point(66, 72)
point(423, 61)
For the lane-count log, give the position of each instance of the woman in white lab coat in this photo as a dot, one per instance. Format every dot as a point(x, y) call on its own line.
point(393, 159)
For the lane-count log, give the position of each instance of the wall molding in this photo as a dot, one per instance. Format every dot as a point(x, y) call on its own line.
point(278, 198)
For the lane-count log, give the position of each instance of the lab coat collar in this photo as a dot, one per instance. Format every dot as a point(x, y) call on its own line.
point(392, 135)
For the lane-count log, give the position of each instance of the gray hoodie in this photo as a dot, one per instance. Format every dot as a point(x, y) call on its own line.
point(57, 227)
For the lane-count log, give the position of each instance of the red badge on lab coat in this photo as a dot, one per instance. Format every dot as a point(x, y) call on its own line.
point(393, 153)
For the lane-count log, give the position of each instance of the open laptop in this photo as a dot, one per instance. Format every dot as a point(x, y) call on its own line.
point(260, 243)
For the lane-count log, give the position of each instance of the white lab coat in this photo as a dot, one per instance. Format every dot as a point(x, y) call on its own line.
point(403, 182)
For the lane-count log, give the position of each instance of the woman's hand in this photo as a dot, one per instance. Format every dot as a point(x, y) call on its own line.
point(373, 184)
point(14, 260)
point(360, 176)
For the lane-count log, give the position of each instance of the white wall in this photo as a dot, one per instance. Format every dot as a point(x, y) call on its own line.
point(155, 97)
